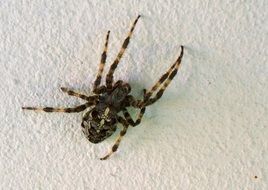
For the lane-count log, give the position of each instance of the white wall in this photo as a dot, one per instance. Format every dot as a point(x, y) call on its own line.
point(208, 131)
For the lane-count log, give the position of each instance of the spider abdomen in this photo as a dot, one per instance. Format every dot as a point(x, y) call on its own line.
point(96, 135)
point(100, 122)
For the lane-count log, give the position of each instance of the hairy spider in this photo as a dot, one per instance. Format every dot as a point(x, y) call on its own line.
point(109, 100)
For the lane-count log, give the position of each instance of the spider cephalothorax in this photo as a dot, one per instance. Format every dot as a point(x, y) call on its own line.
point(110, 99)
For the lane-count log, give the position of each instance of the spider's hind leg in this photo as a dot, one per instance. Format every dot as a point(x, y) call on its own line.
point(164, 81)
point(109, 77)
point(118, 140)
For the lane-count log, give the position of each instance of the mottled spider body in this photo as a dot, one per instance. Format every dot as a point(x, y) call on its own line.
point(100, 122)
point(110, 99)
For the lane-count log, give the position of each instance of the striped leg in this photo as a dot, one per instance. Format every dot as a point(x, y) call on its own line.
point(164, 81)
point(109, 77)
point(131, 101)
point(76, 94)
point(100, 89)
point(118, 140)
point(130, 120)
point(102, 63)
point(67, 110)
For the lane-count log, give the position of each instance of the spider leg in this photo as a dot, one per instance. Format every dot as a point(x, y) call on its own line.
point(67, 110)
point(76, 94)
point(118, 140)
point(144, 92)
point(109, 77)
point(130, 120)
point(131, 101)
point(164, 81)
point(100, 89)
point(102, 63)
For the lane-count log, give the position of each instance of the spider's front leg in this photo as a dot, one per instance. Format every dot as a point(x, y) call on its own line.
point(91, 101)
point(109, 77)
point(76, 94)
point(119, 138)
point(66, 110)
point(96, 88)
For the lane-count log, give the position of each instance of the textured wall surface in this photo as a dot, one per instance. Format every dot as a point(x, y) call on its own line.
point(208, 131)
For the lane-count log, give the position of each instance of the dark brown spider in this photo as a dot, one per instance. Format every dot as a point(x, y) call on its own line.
point(100, 121)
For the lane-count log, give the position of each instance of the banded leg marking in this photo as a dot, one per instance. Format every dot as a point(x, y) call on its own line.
point(66, 110)
point(109, 77)
point(118, 140)
point(102, 63)
point(130, 120)
point(164, 81)
point(76, 94)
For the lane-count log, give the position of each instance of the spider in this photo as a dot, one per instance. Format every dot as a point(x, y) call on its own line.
point(100, 122)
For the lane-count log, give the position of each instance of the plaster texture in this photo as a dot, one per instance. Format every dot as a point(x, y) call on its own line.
point(208, 131)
